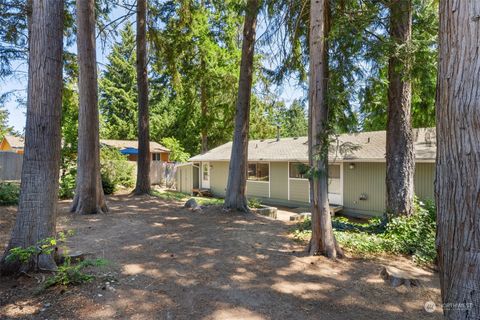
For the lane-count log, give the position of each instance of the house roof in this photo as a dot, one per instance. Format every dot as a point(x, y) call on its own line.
point(133, 144)
point(14, 141)
point(364, 146)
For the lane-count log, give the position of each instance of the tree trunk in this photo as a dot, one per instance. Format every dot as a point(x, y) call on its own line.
point(204, 110)
point(457, 183)
point(400, 156)
point(143, 164)
point(41, 162)
point(89, 197)
point(237, 176)
point(323, 240)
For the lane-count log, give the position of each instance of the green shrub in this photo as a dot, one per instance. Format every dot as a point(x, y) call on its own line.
point(9, 193)
point(115, 170)
point(254, 203)
point(414, 235)
point(67, 184)
point(68, 273)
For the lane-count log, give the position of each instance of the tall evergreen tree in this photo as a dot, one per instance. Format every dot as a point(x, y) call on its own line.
point(37, 208)
point(235, 197)
point(322, 240)
point(144, 158)
point(118, 89)
point(400, 157)
point(89, 197)
point(457, 183)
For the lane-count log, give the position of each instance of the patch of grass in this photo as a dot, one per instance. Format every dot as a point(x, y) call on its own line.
point(170, 195)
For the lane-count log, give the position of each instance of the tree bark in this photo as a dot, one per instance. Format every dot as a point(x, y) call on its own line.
point(143, 162)
point(89, 197)
point(400, 156)
point(204, 110)
point(323, 240)
point(237, 175)
point(37, 208)
point(457, 183)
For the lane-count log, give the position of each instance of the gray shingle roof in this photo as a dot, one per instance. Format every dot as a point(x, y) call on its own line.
point(364, 146)
point(122, 144)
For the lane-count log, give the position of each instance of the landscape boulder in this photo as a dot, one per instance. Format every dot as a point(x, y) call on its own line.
point(192, 204)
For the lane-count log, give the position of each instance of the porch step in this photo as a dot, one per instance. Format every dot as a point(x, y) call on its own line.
point(202, 192)
point(301, 216)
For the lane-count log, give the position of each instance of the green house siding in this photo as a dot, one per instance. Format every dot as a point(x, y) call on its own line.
point(299, 190)
point(424, 180)
point(184, 177)
point(364, 179)
point(218, 177)
point(279, 180)
point(257, 189)
point(367, 179)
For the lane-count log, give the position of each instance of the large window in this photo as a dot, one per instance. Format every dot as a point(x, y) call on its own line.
point(298, 170)
point(258, 171)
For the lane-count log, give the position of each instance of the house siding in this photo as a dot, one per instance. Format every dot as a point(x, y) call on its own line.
point(369, 179)
point(279, 180)
point(365, 178)
point(218, 178)
point(299, 190)
point(184, 176)
point(424, 181)
point(258, 189)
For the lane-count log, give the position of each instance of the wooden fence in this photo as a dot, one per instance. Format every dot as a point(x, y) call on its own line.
point(10, 165)
point(162, 173)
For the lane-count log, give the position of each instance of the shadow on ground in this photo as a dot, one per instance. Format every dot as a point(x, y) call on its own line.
point(171, 263)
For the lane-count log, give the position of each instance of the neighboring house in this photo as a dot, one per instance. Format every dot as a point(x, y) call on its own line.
point(12, 143)
point(276, 171)
point(130, 148)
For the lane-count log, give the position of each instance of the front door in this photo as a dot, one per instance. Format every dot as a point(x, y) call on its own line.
point(206, 175)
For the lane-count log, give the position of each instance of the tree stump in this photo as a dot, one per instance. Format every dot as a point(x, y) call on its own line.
point(396, 277)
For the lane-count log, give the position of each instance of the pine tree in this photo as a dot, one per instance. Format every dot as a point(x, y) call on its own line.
point(118, 89)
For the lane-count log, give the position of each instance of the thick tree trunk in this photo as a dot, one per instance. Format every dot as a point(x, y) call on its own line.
point(457, 184)
point(237, 176)
point(143, 164)
point(400, 155)
point(89, 197)
point(204, 110)
point(323, 240)
point(41, 162)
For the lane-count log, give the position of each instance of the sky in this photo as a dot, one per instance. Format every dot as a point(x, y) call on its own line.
point(18, 83)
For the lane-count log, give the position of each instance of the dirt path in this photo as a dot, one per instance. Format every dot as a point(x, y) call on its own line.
point(170, 263)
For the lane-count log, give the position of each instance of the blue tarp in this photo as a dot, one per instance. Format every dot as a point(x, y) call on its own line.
point(129, 151)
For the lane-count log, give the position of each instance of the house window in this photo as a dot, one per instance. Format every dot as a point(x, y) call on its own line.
point(156, 157)
point(334, 171)
point(298, 170)
point(205, 172)
point(258, 171)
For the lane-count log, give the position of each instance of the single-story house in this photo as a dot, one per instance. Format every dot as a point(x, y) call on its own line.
point(12, 143)
point(276, 171)
point(130, 148)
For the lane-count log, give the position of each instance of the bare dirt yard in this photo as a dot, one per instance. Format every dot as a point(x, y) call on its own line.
point(167, 262)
